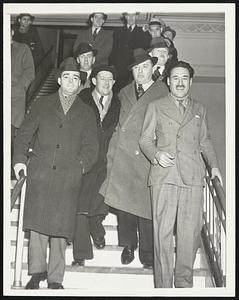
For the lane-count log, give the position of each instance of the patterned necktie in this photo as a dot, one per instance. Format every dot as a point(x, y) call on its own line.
point(156, 74)
point(181, 107)
point(140, 91)
point(101, 102)
point(83, 76)
point(94, 34)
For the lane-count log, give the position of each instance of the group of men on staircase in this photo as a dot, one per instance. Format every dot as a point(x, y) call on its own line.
point(126, 137)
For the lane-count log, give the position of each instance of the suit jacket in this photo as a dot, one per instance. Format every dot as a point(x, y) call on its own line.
point(66, 146)
point(103, 43)
point(125, 187)
point(22, 74)
point(184, 137)
point(90, 201)
point(124, 43)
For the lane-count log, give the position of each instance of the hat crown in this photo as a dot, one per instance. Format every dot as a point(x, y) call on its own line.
point(139, 56)
point(159, 42)
point(156, 20)
point(69, 64)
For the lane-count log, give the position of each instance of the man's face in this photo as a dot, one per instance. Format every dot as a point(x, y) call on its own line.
point(168, 34)
point(143, 72)
point(179, 82)
point(69, 82)
point(97, 20)
point(103, 82)
point(86, 61)
point(155, 30)
point(131, 19)
point(162, 55)
point(25, 22)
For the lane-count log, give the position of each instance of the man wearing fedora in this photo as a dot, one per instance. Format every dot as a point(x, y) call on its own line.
point(125, 40)
point(27, 34)
point(173, 136)
point(125, 187)
point(155, 27)
point(65, 148)
point(159, 48)
point(100, 39)
point(91, 209)
point(85, 56)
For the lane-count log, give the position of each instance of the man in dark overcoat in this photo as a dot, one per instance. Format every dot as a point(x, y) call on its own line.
point(91, 209)
point(125, 187)
point(174, 134)
point(125, 40)
point(65, 148)
point(100, 39)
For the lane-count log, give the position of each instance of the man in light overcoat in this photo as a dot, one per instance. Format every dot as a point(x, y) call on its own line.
point(173, 136)
point(65, 148)
point(126, 185)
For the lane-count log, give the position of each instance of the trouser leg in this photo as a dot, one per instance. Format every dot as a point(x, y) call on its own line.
point(145, 240)
point(188, 232)
point(127, 229)
point(164, 201)
point(56, 265)
point(37, 253)
point(96, 227)
point(82, 247)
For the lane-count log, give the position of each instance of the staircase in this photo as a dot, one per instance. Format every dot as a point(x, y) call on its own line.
point(105, 271)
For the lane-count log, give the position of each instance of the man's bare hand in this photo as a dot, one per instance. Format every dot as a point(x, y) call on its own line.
point(164, 159)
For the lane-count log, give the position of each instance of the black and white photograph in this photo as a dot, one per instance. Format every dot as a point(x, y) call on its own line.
point(119, 140)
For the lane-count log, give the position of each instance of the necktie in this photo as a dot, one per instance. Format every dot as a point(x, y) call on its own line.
point(101, 102)
point(156, 74)
point(181, 107)
point(130, 28)
point(140, 91)
point(83, 76)
point(94, 34)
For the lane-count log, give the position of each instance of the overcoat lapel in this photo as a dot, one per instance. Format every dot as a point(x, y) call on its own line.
point(57, 107)
point(168, 107)
point(190, 112)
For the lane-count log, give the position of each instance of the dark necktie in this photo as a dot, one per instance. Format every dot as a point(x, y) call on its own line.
point(140, 90)
point(130, 28)
point(156, 74)
point(94, 34)
point(101, 102)
point(83, 76)
point(181, 107)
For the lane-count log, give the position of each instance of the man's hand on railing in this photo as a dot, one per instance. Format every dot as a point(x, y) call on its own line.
point(18, 167)
point(215, 172)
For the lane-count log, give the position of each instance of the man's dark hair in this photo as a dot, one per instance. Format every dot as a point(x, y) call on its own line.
point(181, 64)
point(167, 28)
point(26, 15)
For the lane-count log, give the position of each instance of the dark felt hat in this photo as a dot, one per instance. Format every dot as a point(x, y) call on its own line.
point(103, 14)
point(84, 48)
point(156, 21)
point(68, 64)
point(103, 67)
point(25, 15)
point(139, 56)
point(159, 42)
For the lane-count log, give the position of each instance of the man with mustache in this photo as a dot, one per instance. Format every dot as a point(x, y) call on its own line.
point(173, 136)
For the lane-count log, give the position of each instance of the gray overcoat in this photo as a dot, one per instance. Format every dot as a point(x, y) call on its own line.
point(65, 147)
point(125, 187)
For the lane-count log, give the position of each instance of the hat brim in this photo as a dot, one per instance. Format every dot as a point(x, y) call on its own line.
point(153, 59)
point(93, 50)
point(110, 69)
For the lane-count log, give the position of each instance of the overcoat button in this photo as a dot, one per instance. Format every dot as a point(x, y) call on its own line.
point(136, 152)
point(54, 167)
point(57, 146)
point(61, 126)
point(123, 129)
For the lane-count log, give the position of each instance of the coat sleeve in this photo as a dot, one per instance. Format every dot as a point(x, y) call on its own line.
point(90, 145)
point(28, 73)
point(206, 146)
point(25, 134)
point(147, 138)
point(78, 40)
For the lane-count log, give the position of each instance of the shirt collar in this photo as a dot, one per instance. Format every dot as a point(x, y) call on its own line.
point(97, 31)
point(132, 26)
point(97, 95)
point(176, 100)
point(146, 85)
point(88, 73)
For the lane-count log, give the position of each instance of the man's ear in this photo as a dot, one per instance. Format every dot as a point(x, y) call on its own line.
point(59, 80)
point(191, 81)
point(93, 80)
point(168, 81)
point(93, 60)
point(78, 60)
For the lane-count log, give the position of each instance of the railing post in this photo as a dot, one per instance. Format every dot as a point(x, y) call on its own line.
point(20, 240)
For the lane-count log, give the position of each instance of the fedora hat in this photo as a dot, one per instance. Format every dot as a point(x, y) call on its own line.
point(139, 56)
point(159, 42)
point(84, 48)
point(68, 64)
point(105, 16)
point(156, 20)
point(103, 67)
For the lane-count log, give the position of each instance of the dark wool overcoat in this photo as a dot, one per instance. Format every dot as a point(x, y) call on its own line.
point(66, 146)
point(125, 187)
point(90, 201)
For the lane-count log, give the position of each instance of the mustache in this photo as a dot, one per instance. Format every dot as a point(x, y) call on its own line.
point(180, 86)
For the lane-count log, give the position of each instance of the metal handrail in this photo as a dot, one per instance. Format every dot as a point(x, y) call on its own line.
point(214, 229)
